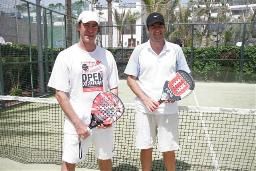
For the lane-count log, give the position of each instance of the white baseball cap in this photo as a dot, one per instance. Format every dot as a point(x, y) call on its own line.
point(87, 16)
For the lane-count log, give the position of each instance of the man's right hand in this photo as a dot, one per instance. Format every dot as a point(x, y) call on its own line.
point(82, 130)
point(150, 104)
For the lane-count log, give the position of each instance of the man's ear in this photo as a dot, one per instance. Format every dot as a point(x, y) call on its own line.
point(78, 26)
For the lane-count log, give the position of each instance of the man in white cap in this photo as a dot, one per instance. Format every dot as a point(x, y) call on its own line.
point(80, 72)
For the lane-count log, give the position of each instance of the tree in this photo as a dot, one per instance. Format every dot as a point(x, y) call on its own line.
point(78, 7)
point(22, 7)
point(120, 19)
point(150, 6)
point(253, 23)
point(131, 19)
point(58, 7)
point(51, 6)
point(172, 15)
point(181, 32)
point(153, 6)
point(162, 6)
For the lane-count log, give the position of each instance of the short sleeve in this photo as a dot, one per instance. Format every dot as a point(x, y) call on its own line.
point(132, 67)
point(181, 61)
point(113, 72)
point(60, 74)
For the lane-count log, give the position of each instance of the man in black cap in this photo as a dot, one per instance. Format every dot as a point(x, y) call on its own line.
point(150, 65)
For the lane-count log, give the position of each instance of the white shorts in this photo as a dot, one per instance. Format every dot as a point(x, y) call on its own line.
point(150, 126)
point(102, 139)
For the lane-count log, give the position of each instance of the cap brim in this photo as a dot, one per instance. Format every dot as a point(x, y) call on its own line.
point(86, 21)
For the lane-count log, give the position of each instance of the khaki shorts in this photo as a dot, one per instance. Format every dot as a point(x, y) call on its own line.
point(152, 126)
point(102, 139)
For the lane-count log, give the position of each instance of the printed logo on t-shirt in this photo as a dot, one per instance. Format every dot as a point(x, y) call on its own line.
point(92, 76)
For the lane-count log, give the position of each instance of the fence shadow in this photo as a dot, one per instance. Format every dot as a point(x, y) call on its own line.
point(127, 167)
point(158, 165)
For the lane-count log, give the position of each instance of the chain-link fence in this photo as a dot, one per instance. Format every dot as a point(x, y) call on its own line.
point(215, 51)
point(24, 22)
point(37, 29)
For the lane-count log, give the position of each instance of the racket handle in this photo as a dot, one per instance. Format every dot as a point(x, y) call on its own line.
point(169, 101)
point(82, 137)
point(160, 101)
point(89, 130)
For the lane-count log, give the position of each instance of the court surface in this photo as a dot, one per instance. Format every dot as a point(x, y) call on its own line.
point(210, 94)
point(10, 165)
point(228, 95)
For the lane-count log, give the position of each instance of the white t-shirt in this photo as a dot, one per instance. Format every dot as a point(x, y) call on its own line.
point(153, 70)
point(83, 75)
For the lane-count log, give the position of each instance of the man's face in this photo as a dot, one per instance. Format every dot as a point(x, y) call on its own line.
point(88, 31)
point(156, 31)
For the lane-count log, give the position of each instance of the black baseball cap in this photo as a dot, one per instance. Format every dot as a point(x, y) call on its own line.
point(155, 17)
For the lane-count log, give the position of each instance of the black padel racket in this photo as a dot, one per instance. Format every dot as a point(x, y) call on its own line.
point(180, 86)
point(107, 108)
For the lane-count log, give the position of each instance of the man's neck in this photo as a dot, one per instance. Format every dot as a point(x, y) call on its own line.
point(157, 46)
point(89, 47)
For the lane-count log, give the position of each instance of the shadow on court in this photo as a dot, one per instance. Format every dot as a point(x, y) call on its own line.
point(158, 165)
point(127, 167)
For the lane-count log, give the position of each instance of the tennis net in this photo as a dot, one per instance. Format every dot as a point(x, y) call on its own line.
point(210, 138)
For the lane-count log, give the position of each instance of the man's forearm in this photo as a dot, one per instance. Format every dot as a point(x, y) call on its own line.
point(65, 105)
point(131, 81)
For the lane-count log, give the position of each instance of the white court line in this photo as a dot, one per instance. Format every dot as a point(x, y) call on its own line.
point(209, 143)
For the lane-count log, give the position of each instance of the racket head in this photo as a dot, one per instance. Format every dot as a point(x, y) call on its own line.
point(180, 86)
point(107, 108)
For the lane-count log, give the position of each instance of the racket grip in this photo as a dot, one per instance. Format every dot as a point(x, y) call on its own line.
point(89, 130)
point(82, 137)
point(160, 101)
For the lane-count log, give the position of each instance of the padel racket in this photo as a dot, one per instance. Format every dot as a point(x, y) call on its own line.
point(180, 86)
point(107, 108)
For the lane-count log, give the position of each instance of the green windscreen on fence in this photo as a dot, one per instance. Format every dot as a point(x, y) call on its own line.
point(210, 138)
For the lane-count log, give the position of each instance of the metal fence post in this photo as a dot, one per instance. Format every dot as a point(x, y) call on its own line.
point(192, 47)
point(30, 52)
point(1, 75)
point(51, 23)
point(46, 54)
point(39, 49)
point(242, 54)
